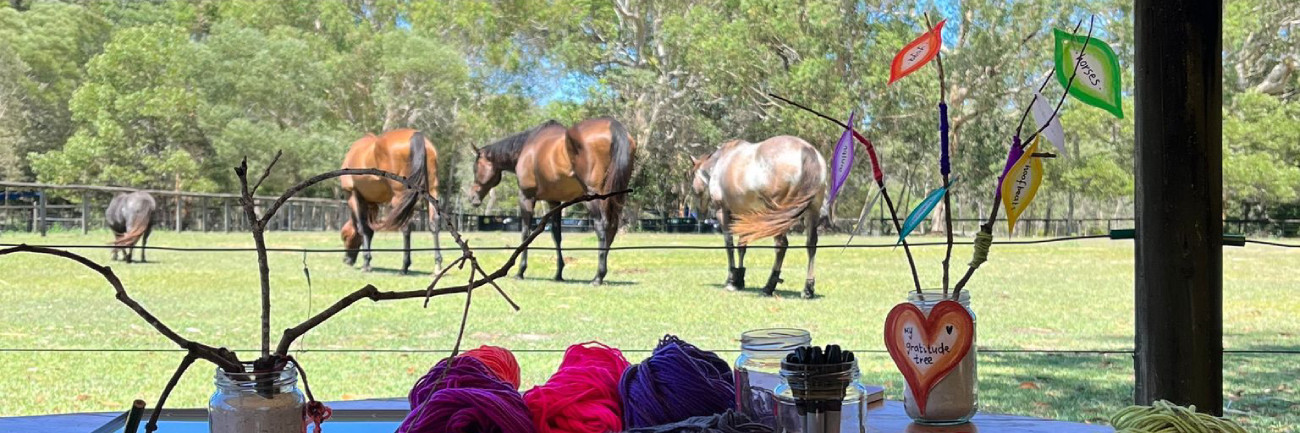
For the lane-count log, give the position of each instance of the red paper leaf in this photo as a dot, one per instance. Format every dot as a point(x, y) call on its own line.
point(917, 53)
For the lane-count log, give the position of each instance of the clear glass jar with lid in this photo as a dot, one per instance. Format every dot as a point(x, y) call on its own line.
point(955, 398)
point(758, 369)
point(257, 402)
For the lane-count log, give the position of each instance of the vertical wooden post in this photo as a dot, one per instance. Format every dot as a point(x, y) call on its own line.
point(1179, 217)
point(225, 215)
point(203, 214)
point(178, 211)
point(85, 212)
point(41, 203)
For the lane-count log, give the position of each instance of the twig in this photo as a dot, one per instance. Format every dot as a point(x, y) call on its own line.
point(267, 172)
point(167, 391)
point(987, 227)
point(943, 141)
point(1047, 79)
point(1070, 83)
point(259, 240)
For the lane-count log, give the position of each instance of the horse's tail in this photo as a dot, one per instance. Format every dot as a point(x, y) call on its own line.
point(419, 179)
point(784, 212)
point(139, 224)
point(621, 156)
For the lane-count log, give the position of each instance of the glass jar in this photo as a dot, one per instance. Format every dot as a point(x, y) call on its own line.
point(758, 369)
point(955, 398)
point(853, 413)
point(267, 402)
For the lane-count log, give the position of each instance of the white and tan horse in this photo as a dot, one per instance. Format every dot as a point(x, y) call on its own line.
point(762, 190)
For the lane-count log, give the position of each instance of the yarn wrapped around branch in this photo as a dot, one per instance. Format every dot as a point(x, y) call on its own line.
point(582, 396)
point(676, 382)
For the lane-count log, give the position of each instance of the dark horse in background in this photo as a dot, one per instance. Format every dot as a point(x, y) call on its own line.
point(130, 216)
point(557, 164)
point(405, 152)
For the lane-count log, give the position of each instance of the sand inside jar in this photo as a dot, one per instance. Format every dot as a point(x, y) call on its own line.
point(953, 399)
point(252, 413)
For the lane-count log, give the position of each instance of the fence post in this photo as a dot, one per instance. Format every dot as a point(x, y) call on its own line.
point(203, 214)
point(40, 211)
point(178, 211)
point(85, 212)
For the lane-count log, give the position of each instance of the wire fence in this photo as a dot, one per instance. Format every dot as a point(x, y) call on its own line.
point(37, 207)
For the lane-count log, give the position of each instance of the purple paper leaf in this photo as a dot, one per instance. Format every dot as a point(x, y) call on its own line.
point(841, 161)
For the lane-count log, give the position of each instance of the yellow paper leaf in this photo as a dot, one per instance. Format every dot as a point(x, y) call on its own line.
point(1021, 184)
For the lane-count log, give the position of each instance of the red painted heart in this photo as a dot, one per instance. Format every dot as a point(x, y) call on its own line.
point(926, 349)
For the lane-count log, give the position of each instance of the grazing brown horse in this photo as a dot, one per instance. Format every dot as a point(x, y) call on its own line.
point(556, 164)
point(404, 152)
point(762, 190)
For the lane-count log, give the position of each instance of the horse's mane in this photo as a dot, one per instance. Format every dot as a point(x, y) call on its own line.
point(508, 149)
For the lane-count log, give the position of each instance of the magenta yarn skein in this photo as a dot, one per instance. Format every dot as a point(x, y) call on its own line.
point(676, 382)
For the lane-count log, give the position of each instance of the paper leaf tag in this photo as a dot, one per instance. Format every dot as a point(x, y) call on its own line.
point(1021, 184)
point(841, 162)
point(916, 53)
point(926, 348)
point(922, 210)
point(1053, 132)
point(1098, 80)
point(862, 217)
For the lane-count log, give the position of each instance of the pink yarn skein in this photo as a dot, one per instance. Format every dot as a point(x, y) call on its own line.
point(582, 396)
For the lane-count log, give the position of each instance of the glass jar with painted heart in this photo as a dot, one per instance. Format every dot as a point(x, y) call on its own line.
point(931, 339)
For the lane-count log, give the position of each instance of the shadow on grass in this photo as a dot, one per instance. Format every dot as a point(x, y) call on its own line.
point(391, 271)
point(758, 291)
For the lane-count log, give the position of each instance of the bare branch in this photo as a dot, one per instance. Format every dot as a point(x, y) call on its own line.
point(267, 172)
point(167, 391)
point(374, 294)
point(292, 191)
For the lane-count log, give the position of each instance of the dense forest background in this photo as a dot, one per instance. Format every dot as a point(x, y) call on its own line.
point(171, 94)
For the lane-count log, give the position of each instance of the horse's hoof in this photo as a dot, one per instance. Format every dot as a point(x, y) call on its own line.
point(598, 282)
point(348, 261)
point(733, 288)
point(559, 278)
point(365, 269)
point(769, 291)
point(808, 289)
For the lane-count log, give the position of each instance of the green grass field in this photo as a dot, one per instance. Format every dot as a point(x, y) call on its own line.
point(1074, 295)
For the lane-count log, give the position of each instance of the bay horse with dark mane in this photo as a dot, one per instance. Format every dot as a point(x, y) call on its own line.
point(556, 164)
point(405, 152)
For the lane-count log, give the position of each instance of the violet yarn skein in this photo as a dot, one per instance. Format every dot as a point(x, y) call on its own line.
point(470, 410)
point(463, 395)
point(464, 372)
point(676, 382)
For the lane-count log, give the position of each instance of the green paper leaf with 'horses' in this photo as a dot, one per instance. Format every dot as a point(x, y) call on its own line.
point(922, 210)
point(1098, 80)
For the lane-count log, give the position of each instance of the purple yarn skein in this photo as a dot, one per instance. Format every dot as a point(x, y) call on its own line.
point(470, 410)
point(676, 382)
point(465, 372)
